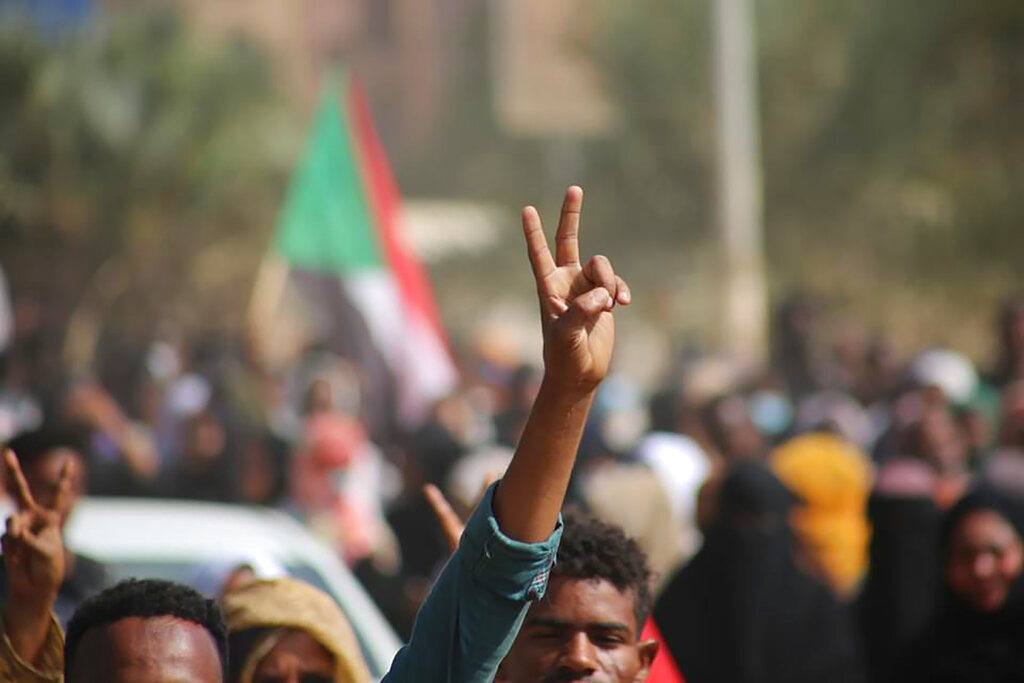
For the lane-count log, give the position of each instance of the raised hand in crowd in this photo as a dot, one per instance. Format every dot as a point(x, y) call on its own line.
point(508, 546)
point(576, 302)
point(449, 520)
point(33, 551)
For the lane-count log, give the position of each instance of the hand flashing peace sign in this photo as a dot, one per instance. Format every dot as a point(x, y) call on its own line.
point(33, 548)
point(576, 299)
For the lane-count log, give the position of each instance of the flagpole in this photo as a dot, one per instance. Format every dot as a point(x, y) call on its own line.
point(267, 292)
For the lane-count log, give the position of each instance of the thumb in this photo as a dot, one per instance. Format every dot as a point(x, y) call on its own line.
point(587, 306)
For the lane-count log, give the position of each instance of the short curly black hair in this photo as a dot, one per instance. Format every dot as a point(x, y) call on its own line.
point(593, 549)
point(146, 598)
point(31, 447)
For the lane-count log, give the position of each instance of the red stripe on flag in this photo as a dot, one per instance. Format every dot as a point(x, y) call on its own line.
point(664, 668)
point(384, 202)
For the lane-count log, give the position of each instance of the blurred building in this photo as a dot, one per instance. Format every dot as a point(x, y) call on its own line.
point(409, 54)
point(404, 51)
point(545, 80)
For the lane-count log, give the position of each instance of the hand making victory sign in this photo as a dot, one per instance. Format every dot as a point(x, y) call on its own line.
point(33, 551)
point(575, 300)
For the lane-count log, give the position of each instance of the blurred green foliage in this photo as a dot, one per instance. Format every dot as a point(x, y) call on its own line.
point(140, 169)
point(892, 148)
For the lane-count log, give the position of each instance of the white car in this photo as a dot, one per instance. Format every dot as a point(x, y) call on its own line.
point(170, 539)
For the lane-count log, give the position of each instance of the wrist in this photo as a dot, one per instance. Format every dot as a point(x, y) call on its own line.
point(32, 606)
point(566, 390)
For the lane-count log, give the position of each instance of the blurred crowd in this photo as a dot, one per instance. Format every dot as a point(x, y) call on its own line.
point(847, 509)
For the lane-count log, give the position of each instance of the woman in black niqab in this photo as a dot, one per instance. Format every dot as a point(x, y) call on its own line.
point(978, 634)
point(743, 611)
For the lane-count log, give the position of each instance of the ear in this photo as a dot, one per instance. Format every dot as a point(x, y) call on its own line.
point(646, 650)
point(500, 676)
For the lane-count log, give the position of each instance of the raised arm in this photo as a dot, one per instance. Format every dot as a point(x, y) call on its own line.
point(507, 547)
point(576, 302)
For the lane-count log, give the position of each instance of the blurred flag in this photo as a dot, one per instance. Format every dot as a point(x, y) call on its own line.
point(340, 271)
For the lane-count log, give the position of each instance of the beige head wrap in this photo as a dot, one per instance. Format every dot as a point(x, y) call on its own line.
point(291, 604)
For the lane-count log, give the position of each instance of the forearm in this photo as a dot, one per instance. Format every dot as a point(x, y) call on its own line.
point(27, 625)
point(530, 495)
point(474, 610)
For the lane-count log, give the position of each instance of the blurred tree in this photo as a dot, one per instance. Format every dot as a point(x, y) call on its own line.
point(892, 147)
point(140, 171)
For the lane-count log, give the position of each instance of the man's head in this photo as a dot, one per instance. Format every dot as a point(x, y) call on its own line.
point(153, 631)
point(588, 624)
point(41, 455)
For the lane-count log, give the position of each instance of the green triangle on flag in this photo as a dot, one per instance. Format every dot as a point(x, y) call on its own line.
point(325, 223)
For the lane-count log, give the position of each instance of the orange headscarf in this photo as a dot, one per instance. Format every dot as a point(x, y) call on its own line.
point(833, 480)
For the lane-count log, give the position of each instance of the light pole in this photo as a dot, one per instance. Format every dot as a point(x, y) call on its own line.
point(740, 203)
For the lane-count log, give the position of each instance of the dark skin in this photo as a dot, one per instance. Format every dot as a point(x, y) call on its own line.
point(985, 559)
point(576, 301)
point(156, 650)
point(34, 556)
point(147, 650)
point(297, 658)
point(583, 630)
point(43, 477)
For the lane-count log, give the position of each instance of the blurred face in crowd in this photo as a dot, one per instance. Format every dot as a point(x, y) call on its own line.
point(583, 630)
point(297, 658)
point(205, 439)
point(941, 442)
point(43, 477)
point(985, 559)
point(146, 650)
point(741, 438)
point(319, 397)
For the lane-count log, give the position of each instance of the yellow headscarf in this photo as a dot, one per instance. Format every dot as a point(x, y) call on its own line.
point(286, 603)
point(833, 479)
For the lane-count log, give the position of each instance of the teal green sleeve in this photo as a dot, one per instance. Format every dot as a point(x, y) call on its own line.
point(477, 605)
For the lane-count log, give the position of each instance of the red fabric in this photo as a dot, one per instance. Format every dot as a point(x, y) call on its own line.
point(331, 442)
point(384, 202)
point(664, 669)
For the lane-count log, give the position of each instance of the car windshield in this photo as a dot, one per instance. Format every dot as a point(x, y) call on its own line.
point(185, 572)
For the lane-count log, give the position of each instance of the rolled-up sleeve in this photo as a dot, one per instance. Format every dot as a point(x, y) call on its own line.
point(476, 606)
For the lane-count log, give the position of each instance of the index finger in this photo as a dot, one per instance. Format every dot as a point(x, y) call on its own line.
point(537, 244)
point(22, 495)
point(450, 522)
point(567, 244)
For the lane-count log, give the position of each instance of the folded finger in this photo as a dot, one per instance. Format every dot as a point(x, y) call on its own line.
point(600, 272)
point(33, 544)
point(567, 245)
point(10, 550)
point(588, 305)
point(537, 244)
point(14, 527)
